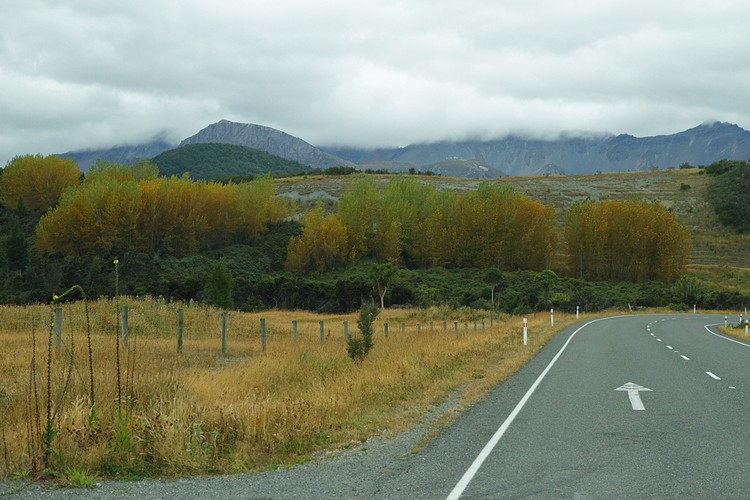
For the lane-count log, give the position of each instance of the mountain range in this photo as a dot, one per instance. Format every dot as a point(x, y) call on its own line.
point(510, 155)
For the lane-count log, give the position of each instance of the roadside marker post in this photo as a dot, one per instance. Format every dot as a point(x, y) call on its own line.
point(694, 308)
point(746, 325)
point(577, 308)
point(552, 317)
point(725, 321)
point(525, 331)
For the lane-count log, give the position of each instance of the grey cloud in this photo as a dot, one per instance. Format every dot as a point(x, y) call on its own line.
point(375, 73)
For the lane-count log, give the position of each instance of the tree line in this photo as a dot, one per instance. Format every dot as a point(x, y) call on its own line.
point(131, 210)
point(406, 222)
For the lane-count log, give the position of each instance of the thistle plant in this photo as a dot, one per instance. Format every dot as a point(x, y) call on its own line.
point(116, 262)
point(50, 429)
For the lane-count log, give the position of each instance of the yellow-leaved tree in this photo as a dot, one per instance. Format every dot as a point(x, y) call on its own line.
point(625, 240)
point(37, 181)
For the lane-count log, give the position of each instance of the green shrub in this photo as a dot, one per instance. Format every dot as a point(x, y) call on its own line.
point(357, 346)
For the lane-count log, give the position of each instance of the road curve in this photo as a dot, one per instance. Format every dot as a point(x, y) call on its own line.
point(636, 406)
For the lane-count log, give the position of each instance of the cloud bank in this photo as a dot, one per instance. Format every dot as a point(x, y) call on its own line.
point(85, 73)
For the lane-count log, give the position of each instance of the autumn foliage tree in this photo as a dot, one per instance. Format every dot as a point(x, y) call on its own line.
point(625, 240)
point(121, 209)
point(323, 243)
point(37, 181)
point(407, 221)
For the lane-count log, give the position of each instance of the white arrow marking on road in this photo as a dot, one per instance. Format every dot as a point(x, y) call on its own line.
point(633, 393)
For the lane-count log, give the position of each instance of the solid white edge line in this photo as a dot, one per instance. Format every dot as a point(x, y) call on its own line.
point(723, 337)
point(713, 376)
point(474, 467)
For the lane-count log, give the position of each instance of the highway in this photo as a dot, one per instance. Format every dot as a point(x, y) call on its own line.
point(639, 406)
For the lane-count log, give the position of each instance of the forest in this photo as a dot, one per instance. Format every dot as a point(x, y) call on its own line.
point(395, 237)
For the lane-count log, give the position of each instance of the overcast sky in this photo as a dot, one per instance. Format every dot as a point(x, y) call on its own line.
point(92, 73)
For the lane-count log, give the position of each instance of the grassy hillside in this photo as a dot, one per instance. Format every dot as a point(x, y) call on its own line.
point(222, 161)
point(683, 191)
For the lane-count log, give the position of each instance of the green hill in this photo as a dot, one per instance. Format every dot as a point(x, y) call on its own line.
point(222, 161)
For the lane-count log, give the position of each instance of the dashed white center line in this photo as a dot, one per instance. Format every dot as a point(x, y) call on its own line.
point(670, 347)
point(658, 340)
point(712, 376)
point(684, 357)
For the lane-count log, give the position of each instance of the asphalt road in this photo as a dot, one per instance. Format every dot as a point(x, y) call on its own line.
point(576, 422)
point(579, 437)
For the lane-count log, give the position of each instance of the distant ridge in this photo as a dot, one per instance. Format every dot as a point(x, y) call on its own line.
point(514, 155)
point(266, 139)
point(125, 154)
point(511, 155)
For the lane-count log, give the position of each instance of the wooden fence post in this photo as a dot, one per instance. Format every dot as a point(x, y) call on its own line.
point(180, 327)
point(346, 330)
point(385, 329)
point(224, 332)
point(322, 332)
point(294, 330)
point(263, 335)
point(58, 327)
point(124, 326)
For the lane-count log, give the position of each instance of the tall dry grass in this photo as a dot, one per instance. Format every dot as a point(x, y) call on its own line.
point(202, 411)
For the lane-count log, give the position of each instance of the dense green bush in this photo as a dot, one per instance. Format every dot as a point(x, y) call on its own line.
point(729, 193)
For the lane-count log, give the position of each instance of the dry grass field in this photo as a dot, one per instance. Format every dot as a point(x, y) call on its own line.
point(202, 411)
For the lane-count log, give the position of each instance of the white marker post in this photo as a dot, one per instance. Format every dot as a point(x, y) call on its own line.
point(552, 317)
point(577, 307)
point(694, 308)
point(525, 331)
point(746, 325)
point(725, 321)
